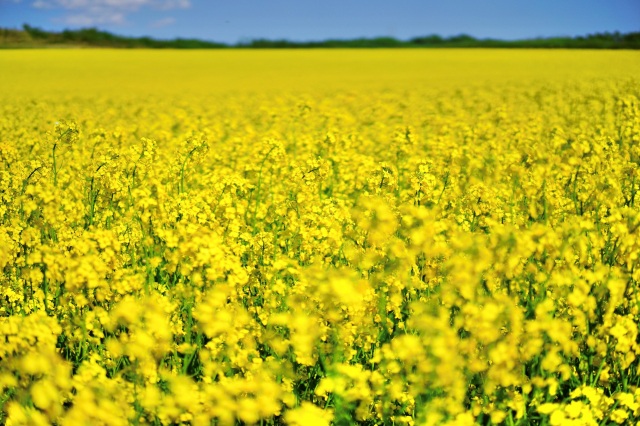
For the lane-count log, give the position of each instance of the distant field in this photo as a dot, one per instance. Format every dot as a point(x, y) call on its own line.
point(311, 237)
point(183, 73)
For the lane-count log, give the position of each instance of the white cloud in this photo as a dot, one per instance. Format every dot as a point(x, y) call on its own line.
point(163, 22)
point(41, 4)
point(81, 20)
point(96, 12)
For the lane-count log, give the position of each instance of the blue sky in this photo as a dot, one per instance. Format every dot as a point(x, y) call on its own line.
point(239, 20)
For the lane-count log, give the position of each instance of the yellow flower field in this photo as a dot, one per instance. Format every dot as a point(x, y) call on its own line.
point(317, 237)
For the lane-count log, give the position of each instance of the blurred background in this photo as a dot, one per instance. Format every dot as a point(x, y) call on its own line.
point(241, 21)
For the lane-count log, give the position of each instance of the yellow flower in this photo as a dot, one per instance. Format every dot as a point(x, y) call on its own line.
point(308, 415)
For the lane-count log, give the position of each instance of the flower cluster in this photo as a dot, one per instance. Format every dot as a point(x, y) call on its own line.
point(398, 255)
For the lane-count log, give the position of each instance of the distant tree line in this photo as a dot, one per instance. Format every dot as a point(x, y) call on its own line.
point(30, 36)
point(92, 37)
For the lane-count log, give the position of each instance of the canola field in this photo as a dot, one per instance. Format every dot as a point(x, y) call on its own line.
point(376, 237)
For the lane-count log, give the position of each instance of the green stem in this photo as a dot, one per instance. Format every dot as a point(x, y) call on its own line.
point(55, 169)
point(184, 164)
point(255, 209)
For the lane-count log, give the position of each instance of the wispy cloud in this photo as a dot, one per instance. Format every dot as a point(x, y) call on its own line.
point(114, 12)
point(163, 22)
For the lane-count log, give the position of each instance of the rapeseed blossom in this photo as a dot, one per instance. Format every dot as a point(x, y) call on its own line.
point(313, 250)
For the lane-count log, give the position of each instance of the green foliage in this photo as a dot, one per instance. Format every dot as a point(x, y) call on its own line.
point(92, 37)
